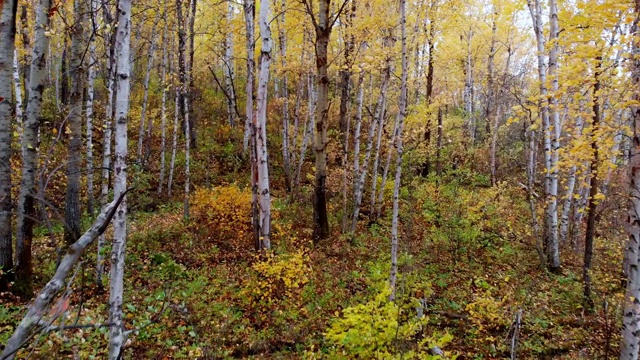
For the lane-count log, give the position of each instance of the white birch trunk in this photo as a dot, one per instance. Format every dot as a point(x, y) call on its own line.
point(264, 197)
point(385, 170)
point(145, 85)
point(308, 128)
point(376, 157)
point(17, 88)
point(116, 290)
point(361, 176)
point(228, 67)
point(631, 314)
point(174, 141)
point(163, 106)
point(31, 131)
point(571, 183)
point(108, 127)
point(358, 126)
point(552, 145)
point(286, 152)
point(396, 188)
point(93, 60)
point(249, 15)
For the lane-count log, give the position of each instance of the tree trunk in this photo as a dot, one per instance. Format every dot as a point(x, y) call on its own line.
point(7, 56)
point(631, 314)
point(26, 199)
point(174, 141)
point(90, 97)
point(43, 301)
point(286, 152)
point(264, 197)
point(468, 90)
point(109, 44)
point(376, 158)
point(228, 67)
point(375, 123)
point(163, 106)
point(308, 128)
point(72, 214)
point(439, 146)
point(345, 75)
point(396, 187)
point(116, 330)
point(552, 144)
point(323, 33)
point(570, 187)
point(145, 96)
point(249, 16)
point(593, 189)
point(18, 92)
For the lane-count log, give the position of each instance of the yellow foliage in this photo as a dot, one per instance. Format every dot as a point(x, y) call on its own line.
point(279, 276)
point(224, 212)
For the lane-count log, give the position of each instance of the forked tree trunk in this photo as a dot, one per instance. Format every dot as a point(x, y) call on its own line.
point(26, 199)
point(116, 289)
point(7, 56)
point(72, 214)
point(396, 187)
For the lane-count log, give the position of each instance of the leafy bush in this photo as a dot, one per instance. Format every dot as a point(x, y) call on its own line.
point(374, 331)
point(222, 214)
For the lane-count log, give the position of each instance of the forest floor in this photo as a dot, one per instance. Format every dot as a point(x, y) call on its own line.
point(197, 290)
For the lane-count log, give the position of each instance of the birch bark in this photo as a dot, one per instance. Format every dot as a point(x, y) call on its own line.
point(116, 290)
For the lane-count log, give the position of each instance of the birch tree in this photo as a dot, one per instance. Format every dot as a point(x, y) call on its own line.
point(91, 76)
point(145, 97)
point(73, 217)
point(116, 289)
point(262, 166)
point(26, 197)
point(249, 16)
point(163, 106)
point(228, 67)
point(7, 39)
point(631, 314)
point(396, 187)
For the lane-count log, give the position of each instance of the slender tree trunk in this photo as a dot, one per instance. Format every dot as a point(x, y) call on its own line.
point(358, 126)
point(145, 98)
point(468, 90)
point(439, 146)
point(26, 45)
point(7, 56)
point(552, 144)
point(396, 188)
point(570, 187)
point(73, 215)
point(109, 44)
point(193, 4)
point(228, 67)
point(376, 159)
point(489, 110)
point(345, 74)
point(174, 141)
point(286, 152)
point(249, 16)
point(264, 197)
point(26, 198)
point(308, 128)
point(116, 331)
point(375, 123)
point(593, 189)
point(163, 107)
point(18, 92)
point(93, 60)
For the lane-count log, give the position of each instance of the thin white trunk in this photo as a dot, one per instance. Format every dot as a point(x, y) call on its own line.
point(17, 87)
point(361, 176)
point(116, 289)
point(30, 143)
point(376, 158)
point(570, 187)
point(93, 60)
point(249, 15)
point(163, 107)
point(174, 142)
point(308, 128)
point(356, 135)
point(228, 67)
point(286, 152)
point(385, 170)
point(106, 141)
point(552, 145)
point(264, 197)
point(396, 187)
point(145, 85)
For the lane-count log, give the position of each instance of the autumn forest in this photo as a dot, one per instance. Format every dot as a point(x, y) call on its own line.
point(320, 179)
